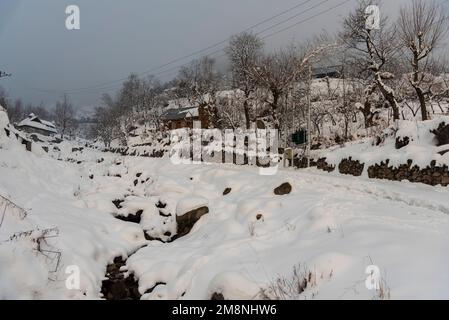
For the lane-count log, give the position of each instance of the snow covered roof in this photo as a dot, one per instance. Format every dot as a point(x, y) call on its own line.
point(181, 113)
point(34, 121)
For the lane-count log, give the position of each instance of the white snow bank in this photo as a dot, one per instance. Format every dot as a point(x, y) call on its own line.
point(190, 203)
point(421, 149)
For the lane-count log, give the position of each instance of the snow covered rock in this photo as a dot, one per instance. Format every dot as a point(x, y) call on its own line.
point(233, 286)
point(188, 211)
point(442, 134)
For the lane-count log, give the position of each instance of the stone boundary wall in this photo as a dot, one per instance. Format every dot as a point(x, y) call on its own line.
point(432, 174)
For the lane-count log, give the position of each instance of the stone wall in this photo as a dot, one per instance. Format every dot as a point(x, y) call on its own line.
point(432, 174)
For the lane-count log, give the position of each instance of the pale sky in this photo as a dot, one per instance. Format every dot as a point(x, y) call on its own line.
point(120, 37)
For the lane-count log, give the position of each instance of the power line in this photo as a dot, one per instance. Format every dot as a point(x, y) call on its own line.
point(104, 86)
point(192, 54)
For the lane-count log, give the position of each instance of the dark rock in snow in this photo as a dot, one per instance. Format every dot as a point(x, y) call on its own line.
point(284, 188)
point(402, 142)
point(226, 191)
point(117, 203)
point(163, 214)
point(135, 218)
point(217, 296)
point(442, 134)
point(186, 221)
point(116, 286)
point(160, 205)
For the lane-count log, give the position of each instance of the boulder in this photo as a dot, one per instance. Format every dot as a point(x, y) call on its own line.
point(284, 188)
point(402, 142)
point(188, 212)
point(442, 134)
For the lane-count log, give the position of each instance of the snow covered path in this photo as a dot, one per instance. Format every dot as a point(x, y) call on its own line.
point(331, 225)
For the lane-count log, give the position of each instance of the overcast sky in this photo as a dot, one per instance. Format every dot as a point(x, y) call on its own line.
point(118, 37)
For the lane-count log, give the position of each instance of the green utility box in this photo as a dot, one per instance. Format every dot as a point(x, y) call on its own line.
point(300, 137)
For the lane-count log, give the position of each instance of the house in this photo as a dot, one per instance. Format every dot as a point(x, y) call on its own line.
point(183, 117)
point(33, 124)
point(328, 71)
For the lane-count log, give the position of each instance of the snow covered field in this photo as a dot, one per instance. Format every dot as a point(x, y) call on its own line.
point(330, 228)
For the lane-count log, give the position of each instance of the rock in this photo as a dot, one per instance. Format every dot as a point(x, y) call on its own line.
point(186, 222)
point(402, 142)
point(135, 218)
point(116, 286)
point(117, 203)
point(160, 205)
point(442, 134)
point(217, 296)
point(226, 191)
point(284, 188)
point(188, 212)
point(349, 166)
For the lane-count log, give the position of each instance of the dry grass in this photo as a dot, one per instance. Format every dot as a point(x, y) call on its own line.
point(290, 288)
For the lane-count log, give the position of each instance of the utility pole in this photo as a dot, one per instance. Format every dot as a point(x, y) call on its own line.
point(309, 135)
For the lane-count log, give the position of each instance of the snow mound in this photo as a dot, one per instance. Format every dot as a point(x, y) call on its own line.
point(234, 286)
point(421, 148)
point(190, 203)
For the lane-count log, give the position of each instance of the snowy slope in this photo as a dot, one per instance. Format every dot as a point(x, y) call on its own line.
point(50, 193)
point(333, 226)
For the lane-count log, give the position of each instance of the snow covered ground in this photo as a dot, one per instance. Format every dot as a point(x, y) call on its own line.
point(331, 226)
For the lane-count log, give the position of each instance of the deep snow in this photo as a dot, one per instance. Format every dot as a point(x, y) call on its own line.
point(331, 225)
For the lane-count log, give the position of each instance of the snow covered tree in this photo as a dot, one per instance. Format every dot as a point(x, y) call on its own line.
point(422, 26)
point(278, 72)
point(374, 49)
point(64, 115)
point(243, 52)
point(199, 83)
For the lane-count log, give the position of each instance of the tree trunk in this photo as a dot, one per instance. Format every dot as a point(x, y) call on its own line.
point(415, 84)
point(422, 103)
point(247, 113)
point(274, 108)
point(367, 114)
point(388, 94)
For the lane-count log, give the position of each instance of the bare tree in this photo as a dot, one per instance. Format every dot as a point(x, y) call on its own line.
point(422, 26)
point(277, 72)
point(199, 83)
point(374, 49)
point(64, 115)
point(243, 52)
point(106, 126)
